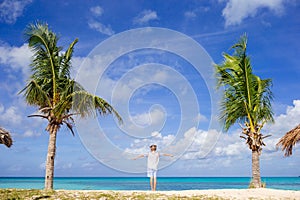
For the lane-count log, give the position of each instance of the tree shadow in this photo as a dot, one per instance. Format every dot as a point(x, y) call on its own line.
point(42, 197)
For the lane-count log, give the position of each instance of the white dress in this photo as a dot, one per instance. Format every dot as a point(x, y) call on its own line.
point(153, 159)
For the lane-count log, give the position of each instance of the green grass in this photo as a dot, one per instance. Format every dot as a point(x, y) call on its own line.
point(15, 194)
point(23, 194)
point(251, 185)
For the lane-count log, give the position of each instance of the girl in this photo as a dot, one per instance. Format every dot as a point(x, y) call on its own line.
point(153, 159)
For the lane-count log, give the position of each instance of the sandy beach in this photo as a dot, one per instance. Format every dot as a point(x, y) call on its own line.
point(261, 193)
point(240, 193)
point(219, 194)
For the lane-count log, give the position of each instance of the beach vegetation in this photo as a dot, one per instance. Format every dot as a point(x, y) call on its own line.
point(88, 195)
point(252, 185)
point(246, 100)
point(51, 89)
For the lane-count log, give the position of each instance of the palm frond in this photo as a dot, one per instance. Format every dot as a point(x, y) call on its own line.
point(66, 88)
point(86, 104)
point(35, 95)
point(50, 86)
point(70, 126)
point(83, 103)
point(37, 115)
point(46, 60)
point(246, 97)
point(66, 61)
point(241, 46)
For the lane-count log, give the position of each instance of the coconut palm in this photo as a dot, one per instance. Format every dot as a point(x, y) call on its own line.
point(289, 140)
point(51, 88)
point(5, 138)
point(246, 99)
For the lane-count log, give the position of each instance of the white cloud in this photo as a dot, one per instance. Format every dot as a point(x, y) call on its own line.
point(58, 165)
point(132, 80)
point(286, 121)
point(10, 115)
point(90, 165)
point(195, 144)
point(43, 165)
point(236, 10)
point(203, 143)
point(98, 26)
point(145, 16)
point(95, 24)
point(146, 119)
point(96, 11)
point(211, 145)
point(142, 119)
point(87, 70)
point(65, 166)
point(141, 146)
point(190, 14)
point(139, 82)
point(201, 118)
point(228, 149)
point(15, 168)
point(232, 145)
point(235, 149)
point(1, 108)
point(30, 133)
point(17, 58)
point(283, 123)
point(10, 10)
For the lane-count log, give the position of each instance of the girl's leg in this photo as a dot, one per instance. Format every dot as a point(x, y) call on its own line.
point(151, 182)
point(154, 183)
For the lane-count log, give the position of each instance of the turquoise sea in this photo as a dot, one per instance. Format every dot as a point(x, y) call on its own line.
point(141, 183)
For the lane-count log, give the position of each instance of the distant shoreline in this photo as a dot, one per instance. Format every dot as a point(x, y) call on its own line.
point(142, 183)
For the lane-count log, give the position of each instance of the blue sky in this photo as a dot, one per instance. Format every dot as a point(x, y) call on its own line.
point(162, 96)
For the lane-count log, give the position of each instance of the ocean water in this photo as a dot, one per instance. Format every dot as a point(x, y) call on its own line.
point(141, 183)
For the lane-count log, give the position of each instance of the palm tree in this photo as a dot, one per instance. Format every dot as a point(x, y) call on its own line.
point(53, 91)
point(246, 99)
point(289, 140)
point(5, 138)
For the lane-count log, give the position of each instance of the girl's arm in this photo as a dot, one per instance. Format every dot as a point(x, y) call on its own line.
point(166, 154)
point(140, 156)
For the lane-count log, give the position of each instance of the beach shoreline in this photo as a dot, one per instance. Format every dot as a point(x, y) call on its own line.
point(261, 193)
point(142, 183)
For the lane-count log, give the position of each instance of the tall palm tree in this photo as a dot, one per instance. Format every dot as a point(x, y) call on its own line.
point(289, 140)
point(53, 91)
point(5, 138)
point(246, 99)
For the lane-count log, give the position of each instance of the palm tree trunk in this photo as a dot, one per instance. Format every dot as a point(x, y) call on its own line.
point(256, 181)
point(50, 158)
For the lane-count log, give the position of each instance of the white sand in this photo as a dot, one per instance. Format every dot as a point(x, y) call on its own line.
point(261, 193)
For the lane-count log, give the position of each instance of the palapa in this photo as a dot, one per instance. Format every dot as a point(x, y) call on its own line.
point(289, 140)
point(5, 138)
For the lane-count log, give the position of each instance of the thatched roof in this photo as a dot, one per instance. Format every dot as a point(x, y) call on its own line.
point(288, 141)
point(5, 138)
